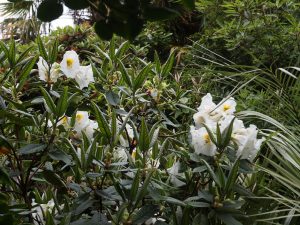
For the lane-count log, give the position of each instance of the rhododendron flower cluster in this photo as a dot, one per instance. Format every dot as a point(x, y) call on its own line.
point(70, 67)
point(82, 124)
point(211, 115)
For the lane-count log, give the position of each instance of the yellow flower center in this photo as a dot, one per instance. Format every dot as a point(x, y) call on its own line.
point(79, 117)
point(65, 120)
point(133, 154)
point(226, 107)
point(70, 62)
point(206, 138)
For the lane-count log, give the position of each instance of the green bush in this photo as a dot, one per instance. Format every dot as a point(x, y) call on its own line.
point(259, 33)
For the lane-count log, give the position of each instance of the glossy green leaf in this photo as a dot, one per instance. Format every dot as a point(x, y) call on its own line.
point(12, 53)
point(141, 77)
point(144, 139)
point(48, 100)
point(233, 174)
point(31, 149)
point(112, 98)
point(124, 73)
point(25, 72)
point(42, 49)
point(212, 173)
point(54, 179)
point(145, 213)
point(167, 67)
point(102, 122)
point(62, 103)
point(53, 52)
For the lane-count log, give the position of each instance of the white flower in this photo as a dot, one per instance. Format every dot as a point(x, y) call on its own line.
point(207, 112)
point(202, 142)
point(64, 121)
point(40, 209)
point(70, 64)
point(124, 139)
point(153, 220)
point(79, 153)
point(225, 122)
point(81, 121)
point(120, 154)
point(248, 144)
point(150, 163)
point(90, 129)
point(174, 171)
point(84, 76)
point(43, 69)
point(227, 107)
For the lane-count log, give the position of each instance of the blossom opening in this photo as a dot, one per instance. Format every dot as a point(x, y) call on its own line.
point(70, 62)
point(79, 117)
point(206, 138)
point(226, 107)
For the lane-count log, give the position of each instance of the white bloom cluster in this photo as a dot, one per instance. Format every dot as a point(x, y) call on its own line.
point(211, 114)
point(70, 66)
point(82, 124)
point(40, 209)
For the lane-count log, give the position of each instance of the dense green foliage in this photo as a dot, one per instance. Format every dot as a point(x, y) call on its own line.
point(260, 33)
point(114, 134)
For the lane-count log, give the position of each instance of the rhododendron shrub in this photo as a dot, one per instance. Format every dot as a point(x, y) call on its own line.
point(98, 137)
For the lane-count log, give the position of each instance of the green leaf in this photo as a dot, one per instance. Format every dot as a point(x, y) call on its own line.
point(154, 13)
point(4, 48)
point(62, 104)
point(168, 65)
point(135, 186)
point(42, 50)
point(25, 72)
point(212, 173)
point(49, 10)
point(145, 213)
point(122, 49)
point(53, 52)
point(12, 53)
point(54, 179)
point(4, 178)
point(141, 77)
point(49, 218)
point(76, 4)
point(112, 98)
point(24, 54)
point(48, 100)
point(60, 156)
point(143, 190)
point(189, 4)
point(211, 135)
point(84, 206)
point(144, 140)
point(174, 201)
point(103, 125)
point(232, 178)
point(157, 63)
point(226, 137)
point(154, 136)
point(32, 148)
point(124, 73)
point(228, 219)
